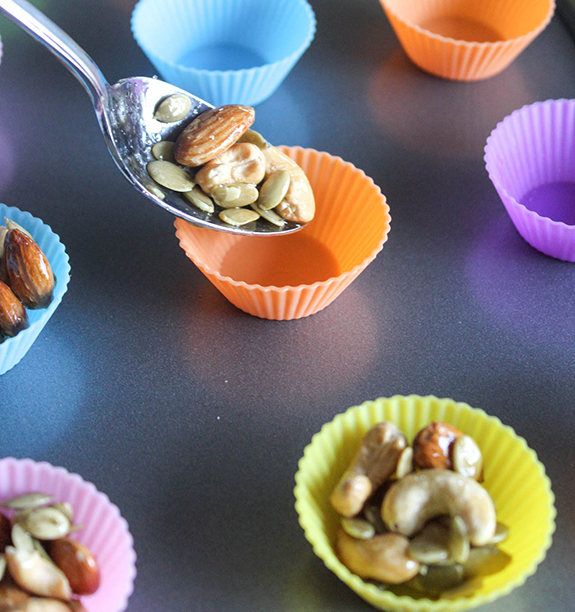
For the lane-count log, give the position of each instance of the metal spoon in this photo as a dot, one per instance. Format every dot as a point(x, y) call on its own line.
point(125, 112)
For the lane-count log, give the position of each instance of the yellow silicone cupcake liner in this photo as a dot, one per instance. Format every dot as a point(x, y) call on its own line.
point(466, 41)
point(514, 477)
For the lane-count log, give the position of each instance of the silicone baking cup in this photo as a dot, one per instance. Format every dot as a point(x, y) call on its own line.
point(466, 41)
point(224, 51)
point(293, 276)
point(105, 532)
point(13, 350)
point(530, 158)
point(513, 475)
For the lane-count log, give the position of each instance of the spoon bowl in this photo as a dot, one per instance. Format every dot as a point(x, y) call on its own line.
point(125, 112)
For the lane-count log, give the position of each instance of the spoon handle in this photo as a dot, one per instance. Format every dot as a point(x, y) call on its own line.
point(45, 31)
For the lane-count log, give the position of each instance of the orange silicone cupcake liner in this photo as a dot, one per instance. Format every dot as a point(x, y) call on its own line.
point(294, 276)
point(466, 41)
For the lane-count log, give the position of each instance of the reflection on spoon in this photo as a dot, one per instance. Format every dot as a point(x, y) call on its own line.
point(125, 112)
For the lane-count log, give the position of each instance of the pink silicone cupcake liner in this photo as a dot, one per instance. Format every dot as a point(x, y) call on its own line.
point(105, 532)
point(530, 158)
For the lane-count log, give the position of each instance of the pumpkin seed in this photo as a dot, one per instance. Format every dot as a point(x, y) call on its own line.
point(438, 579)
point(2, 565)
point(431, 545)
point(358, 528)
point(21, 539)
point(485, 560)
point(28, 501)
point(3, 232)
point(154, 190)
point(20, 515)
point(269, 215)
point(238, 216)
point(47, 524)
point(381, 586)
point(255, 138)
point(164, 151)
point(173, 108)
point(169, 175)
point(65, 508)
point(466, 457)
point(501, 533)
point(38, 547)
point(372, 513)
point(412, 589)
point(199, 199)
point(13, 225)
point(458, 542)
point(235, 195)
point(274, 189)
point(404, 463)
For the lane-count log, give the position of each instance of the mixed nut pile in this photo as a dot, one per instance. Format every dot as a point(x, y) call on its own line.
point(218, 163)
point(418, 516)
point(42, 569)
point(26, 279)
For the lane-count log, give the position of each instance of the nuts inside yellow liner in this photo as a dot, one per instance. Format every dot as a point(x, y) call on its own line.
point(437, 526)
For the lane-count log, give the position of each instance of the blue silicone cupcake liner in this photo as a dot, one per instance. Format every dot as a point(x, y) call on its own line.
point(224, 51)
point(12, 350)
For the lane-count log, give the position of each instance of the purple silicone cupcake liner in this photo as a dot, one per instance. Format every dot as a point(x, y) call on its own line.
point(530, 158)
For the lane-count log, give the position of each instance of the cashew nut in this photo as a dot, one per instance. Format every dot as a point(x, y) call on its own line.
point(11, 596)
point(384, 557)
point(422, 496)
point(36, 574)
point(373, 464)
point(241, 163)
point(298, 204)
point(14, 599)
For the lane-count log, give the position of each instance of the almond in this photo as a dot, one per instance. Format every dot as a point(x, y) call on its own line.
point(77, 563)
point(5, 532)
point(212, 133)
point(13, 317)
point(3, 233)
point(432, 446)
point(29, 273)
